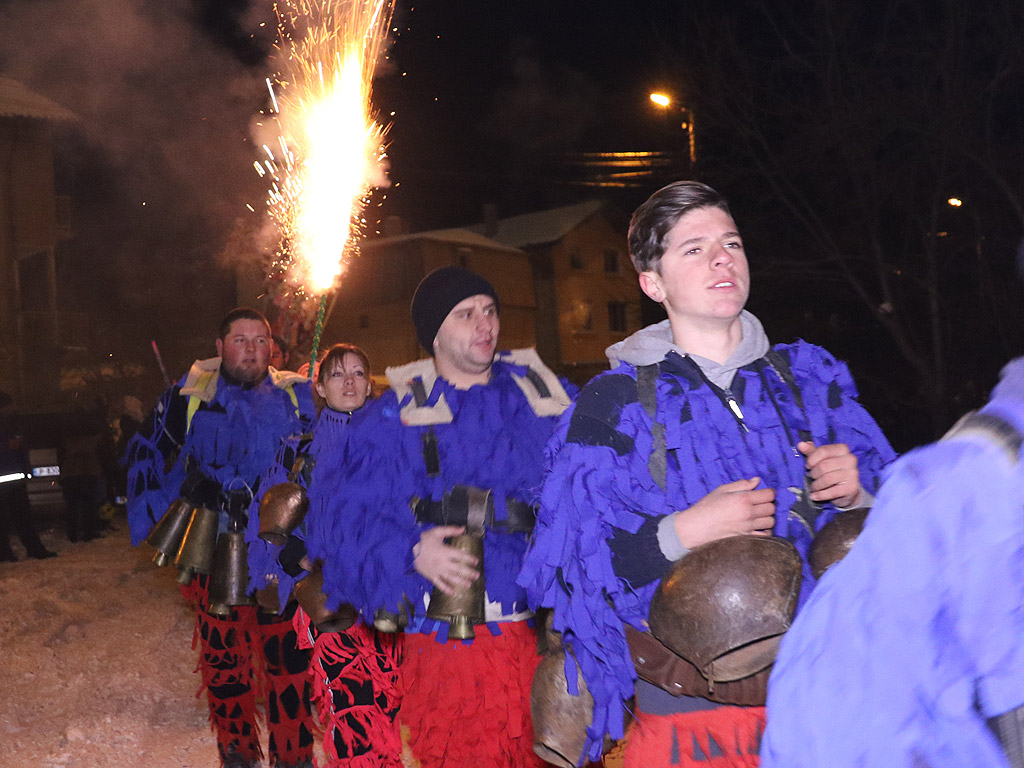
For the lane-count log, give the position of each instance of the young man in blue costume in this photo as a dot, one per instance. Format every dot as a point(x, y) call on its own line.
point(911, 650)
point(208, 441)
point(701, 431)
point(464, 424)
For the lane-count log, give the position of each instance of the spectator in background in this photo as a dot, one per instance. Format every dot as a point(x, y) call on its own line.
point(14, 505)
point(81, 473)
point(128, 424)
point(279, 354)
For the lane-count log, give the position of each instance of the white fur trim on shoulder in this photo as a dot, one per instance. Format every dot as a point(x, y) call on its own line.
point(284, 379)
point(557, 399)
point(401, 378)
point(202, 379)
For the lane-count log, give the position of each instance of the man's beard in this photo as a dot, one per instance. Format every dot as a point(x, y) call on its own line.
point(249, 375)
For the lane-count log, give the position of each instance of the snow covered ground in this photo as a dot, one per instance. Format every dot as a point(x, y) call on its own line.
point(96, 661)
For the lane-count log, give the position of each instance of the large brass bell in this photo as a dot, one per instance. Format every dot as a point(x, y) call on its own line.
point(560, 719)
point(725, 606)
point(196, 552)
point(466, 607)
point(268, 598)
point(282, 509)
point(388, 621)
point(835, 539)
point(168, 533)
point(229, 579)
point(309, 592)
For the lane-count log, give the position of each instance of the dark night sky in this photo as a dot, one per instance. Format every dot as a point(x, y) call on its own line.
point(484, 92)
point(484, 95)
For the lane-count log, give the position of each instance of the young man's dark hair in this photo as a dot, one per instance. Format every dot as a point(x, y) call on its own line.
point(652, 220)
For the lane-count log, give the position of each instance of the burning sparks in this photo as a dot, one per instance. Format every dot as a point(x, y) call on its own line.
point(329, 151)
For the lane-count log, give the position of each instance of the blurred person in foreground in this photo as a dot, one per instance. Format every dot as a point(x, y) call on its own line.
point(207, 442)
point(701, 432)
point(353, 671)
point(453, 449)
point(910, 653)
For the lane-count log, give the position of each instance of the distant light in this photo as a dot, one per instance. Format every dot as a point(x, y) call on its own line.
point(661, 99)
point(956, 202)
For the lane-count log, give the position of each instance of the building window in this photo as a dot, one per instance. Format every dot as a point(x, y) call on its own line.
point(576, 259)
point(617, 316)
point(364, 321)
point(583, 316)
point(611, 261)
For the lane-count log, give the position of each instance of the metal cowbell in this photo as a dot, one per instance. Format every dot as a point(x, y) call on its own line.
point(229, 579)
point(196, 552)
point(282, 509)
point(466, 607)
point(309, 593)
point(168, 533)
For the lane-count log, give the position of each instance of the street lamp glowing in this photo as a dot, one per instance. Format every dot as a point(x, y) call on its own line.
point(956, 202)
point(663, 100)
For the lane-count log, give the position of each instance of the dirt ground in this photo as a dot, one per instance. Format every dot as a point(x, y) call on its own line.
point(96, 663)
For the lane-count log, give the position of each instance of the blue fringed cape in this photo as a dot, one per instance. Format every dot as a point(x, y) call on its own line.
point(917, 636)
point(366, 534)
point(233, 437)
point(599, 484)
point(328, 441)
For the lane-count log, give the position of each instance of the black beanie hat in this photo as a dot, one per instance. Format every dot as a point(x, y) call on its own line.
point(436, 296)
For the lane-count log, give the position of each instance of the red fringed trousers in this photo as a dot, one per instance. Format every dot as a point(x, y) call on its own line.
point(355, 686)
point(467, 704)
point(243, 655)
point(726, 737)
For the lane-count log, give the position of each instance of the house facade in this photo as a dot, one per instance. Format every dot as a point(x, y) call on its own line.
point(33, 223)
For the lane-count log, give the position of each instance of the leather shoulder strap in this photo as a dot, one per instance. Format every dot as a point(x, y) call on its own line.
point(647, 394)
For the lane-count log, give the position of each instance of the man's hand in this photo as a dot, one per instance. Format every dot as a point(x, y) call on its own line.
point(730, 509)
point(833, 471)
point(447, 568)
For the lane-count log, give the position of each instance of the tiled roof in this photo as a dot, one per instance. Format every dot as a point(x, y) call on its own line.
point(16, 100)
point(541, 227)
point(465, 237)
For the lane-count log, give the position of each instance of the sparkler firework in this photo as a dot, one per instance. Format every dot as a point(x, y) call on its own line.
point(329, 151)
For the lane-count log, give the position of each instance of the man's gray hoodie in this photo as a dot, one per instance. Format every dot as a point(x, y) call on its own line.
point(651, 344)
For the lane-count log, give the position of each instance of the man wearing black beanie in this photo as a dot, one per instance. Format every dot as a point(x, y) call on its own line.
point(441, 482)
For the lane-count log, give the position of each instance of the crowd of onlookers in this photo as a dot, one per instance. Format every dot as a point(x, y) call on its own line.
point(87, 447)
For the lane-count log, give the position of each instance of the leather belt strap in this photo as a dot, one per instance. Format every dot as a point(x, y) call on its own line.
point(664, 668)
point(474, 508)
